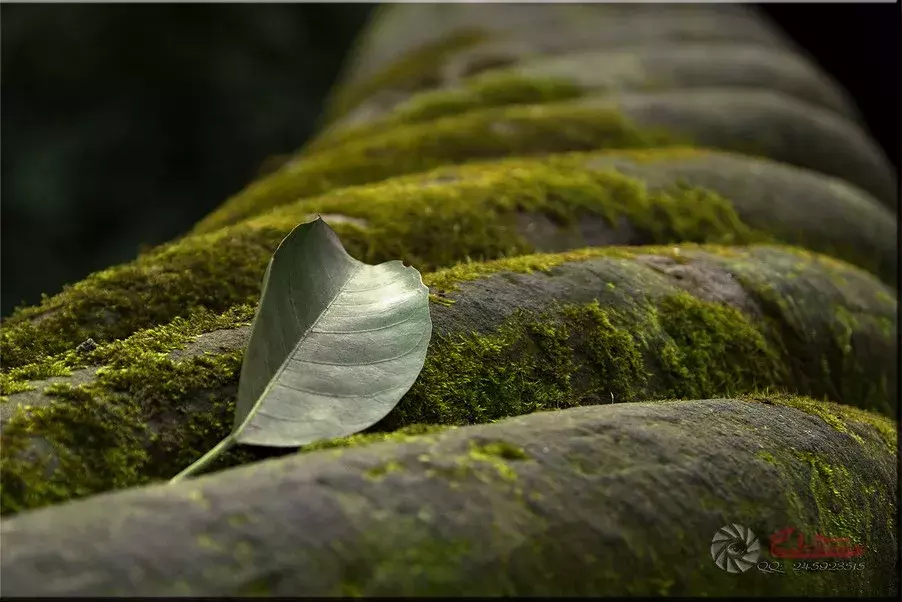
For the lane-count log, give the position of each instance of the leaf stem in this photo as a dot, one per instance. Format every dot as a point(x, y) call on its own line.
point(205, 460)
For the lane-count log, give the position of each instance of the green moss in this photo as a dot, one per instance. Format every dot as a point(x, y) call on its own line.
point(707, 337)
point(836, 334)
point(412, 432)
point(256, 588)
point(502, 449)
point(822, 497)
point(837, 502)
point(135, 422)
point(378, 472)
point(475, 215)
point(415, 70)
point(48, 368)
point(402, 545)
point(487, 462)
point(841, 417)
point(97, 446)
point(486, 90)
point(201, 273)
point(448, 279)
point(829, 482)
point(496, 454)
point(475, 135)
point(767, 457)
point(584, 354)
point(149, 413)
point(140, 419)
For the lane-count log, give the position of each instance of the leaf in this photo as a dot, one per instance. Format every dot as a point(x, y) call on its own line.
point(334, 346)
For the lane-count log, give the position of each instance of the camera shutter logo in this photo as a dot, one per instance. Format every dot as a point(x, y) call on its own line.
point(735, 548)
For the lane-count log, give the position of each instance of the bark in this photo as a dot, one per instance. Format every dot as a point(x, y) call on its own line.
point(608, 500)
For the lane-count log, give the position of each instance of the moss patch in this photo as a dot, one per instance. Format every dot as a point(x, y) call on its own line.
point(448, 279)
point(148, 413)
point(412, 71)
point(838, 502)
point(838, 327)
point(212, 273)
point(474, 214)
point(139, 421)
point(160, 340)
point(585, 354)
point(844, 418)
point(483, 91)
point(475, 135)
point(411, 432)
point(119, 429)
point(708, 337)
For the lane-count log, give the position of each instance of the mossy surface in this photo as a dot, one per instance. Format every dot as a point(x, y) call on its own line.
point(413, 71)
point(480, 92)
point(552, 78)
point(472, 210)
point(134, 419)
point(679, 346)
point(838, 326)
point(419, 503)
point(211, 273)
point(149, 413)
point(838, 501)
point(504, 509)
point(475, 135)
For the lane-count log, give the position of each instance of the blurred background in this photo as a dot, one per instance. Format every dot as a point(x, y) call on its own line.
point(122, 125)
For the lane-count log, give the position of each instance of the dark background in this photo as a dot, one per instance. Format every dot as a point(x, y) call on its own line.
point(123, 125)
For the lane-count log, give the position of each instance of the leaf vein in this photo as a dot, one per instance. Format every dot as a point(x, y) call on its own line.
point(382, 361)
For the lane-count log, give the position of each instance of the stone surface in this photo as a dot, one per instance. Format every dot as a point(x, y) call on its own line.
point(619, 499)
point(650, 67)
